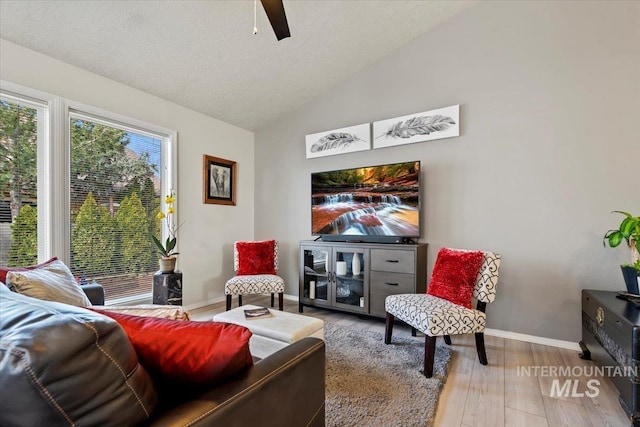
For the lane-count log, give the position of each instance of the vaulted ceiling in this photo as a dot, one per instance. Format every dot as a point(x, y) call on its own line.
point(203, 54)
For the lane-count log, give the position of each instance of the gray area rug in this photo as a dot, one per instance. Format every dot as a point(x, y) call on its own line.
point(372, 384)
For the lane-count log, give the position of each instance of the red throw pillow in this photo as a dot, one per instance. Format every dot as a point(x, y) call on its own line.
point(256, 257)
point(454, 275)
point(187, 352)
point(5, 270)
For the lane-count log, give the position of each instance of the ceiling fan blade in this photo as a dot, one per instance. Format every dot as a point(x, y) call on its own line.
point(275, 12)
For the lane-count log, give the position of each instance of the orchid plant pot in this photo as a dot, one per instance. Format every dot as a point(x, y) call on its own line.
point(167, 264)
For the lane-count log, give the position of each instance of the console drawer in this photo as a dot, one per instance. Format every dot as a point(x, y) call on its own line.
point(397, 261)
point(376, 304)
point(391, 283)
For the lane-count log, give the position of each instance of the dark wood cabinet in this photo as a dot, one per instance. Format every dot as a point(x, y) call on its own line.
point(611, 338)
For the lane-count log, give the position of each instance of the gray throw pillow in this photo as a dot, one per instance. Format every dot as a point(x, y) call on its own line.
point(52, 282)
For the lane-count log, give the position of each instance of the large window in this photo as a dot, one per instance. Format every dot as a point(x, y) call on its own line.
point(93, 203)
point(115, 197)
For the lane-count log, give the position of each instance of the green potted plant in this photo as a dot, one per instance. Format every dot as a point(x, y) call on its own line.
point(629, 232)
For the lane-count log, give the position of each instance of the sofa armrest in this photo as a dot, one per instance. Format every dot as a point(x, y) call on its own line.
point(94, 292)
point(286, 388)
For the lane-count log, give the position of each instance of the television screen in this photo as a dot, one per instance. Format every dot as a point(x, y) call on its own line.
point(379, 200)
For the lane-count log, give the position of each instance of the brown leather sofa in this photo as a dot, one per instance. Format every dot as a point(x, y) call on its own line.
point(286, 388)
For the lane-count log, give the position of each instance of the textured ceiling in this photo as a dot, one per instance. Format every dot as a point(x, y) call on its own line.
point(203, 54)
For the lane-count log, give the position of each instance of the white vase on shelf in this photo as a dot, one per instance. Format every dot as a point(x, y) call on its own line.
point(355, 265)
point(341, 268)
point(312, 289)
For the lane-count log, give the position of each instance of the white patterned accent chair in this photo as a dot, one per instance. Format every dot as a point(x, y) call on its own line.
point(254, 284)
point(436, 317)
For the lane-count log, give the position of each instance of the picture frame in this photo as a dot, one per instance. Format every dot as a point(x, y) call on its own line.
point(339, 141)
point(419, 127)
point(219, 181)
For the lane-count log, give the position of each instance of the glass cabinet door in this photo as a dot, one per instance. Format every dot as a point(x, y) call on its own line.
point(316, 276)
point(349, 270)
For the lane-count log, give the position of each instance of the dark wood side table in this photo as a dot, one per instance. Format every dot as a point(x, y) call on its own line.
point(167, 288)
point(611, 338)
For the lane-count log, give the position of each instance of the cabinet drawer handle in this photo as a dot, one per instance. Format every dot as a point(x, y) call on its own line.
point(392, 260)
point(391, 284)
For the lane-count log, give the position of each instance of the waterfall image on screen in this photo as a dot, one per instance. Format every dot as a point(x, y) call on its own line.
point(370, 201)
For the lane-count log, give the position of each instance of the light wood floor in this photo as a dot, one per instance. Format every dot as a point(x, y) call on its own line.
point(494, 395)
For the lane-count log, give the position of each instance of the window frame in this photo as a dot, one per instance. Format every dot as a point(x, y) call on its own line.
point(48, 107)
point(54, 160)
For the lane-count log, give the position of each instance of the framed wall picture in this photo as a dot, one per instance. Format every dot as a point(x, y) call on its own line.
point(418, 127)
point(219, 181)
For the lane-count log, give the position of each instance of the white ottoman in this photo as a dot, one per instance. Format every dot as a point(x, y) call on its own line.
point(271, 334)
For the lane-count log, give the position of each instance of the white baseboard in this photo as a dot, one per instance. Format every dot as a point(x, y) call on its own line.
point(291, 297)
point(206, 303)
point(569, 345)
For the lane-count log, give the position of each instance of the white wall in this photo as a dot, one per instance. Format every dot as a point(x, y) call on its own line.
point(549, 95)
point(206, 238)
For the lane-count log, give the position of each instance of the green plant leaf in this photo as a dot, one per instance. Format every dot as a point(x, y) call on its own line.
point(605, 239)
point(159, 245)
point(615, 238)
point(627, 214)
point(171, 244)
point(627, 225)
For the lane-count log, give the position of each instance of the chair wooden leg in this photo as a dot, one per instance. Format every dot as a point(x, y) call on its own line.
point(429, 354)
point(447, 339)
point(413, 332)
point(388, 328)
point(272, 299)
point(239, 300)
point(228, 302)
point(482, 354)
point(280, 301)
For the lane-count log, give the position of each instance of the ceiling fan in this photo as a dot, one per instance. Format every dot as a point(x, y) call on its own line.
point(278, 19)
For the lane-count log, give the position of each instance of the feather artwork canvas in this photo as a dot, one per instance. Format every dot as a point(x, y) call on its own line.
point(339, 141)
point(419, 127)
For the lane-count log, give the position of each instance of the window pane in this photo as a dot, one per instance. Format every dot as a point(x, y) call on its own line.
point(115, 197)
point(18, 184)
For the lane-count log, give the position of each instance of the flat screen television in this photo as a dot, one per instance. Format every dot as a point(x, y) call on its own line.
point(368, 204)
